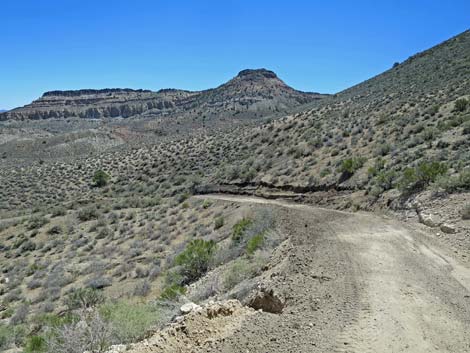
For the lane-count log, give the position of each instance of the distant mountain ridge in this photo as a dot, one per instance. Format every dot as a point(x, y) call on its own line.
point(251, 93)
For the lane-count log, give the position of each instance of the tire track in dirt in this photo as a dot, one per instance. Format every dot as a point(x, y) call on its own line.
point(395, 289)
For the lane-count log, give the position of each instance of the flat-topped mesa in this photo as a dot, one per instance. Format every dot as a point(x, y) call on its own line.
point(82, 92)
point(253, 74)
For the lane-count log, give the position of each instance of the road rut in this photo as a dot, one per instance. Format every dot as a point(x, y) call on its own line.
point(385, 287)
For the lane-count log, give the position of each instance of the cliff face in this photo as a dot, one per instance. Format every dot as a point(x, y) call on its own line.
point(252, 92)
point(95, 104)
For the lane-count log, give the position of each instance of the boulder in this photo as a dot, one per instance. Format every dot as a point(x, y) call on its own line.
point(188, 307)
point(448, 228)
point(428, 220)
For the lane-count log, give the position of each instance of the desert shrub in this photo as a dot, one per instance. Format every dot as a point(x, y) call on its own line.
point(28, 245)
point(206, 204)
point(53, 320)
point(35, 344)
point(240, 228)
point(20, 315)
point(142, 289)
point(100, 178)
point(383, 149)
point(460, 105)
point(59, 211)
point(219, 222)
point(195, 259)
point(460, 182)
point(415, 179)
point(240, 270)
point(98, 282)
point(385, 179)
point(129, 321)
point(466, 128)
point(254, 243)
point(11, 335)
point(351, 165)
point(466, 212)
point(84, 298)
point(6, 336)
point(54, 230)
point(34, 283)
point(37, 222)
point(88, 213)
point(91, 333)
point(429, 134)
point(172, 291)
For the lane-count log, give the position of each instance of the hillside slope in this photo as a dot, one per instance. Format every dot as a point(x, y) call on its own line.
point(365, 137)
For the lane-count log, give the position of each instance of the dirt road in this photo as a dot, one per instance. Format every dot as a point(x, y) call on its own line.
point(357, 283)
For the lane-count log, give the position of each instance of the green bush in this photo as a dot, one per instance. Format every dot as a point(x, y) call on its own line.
point(11, 335)
point(54, 320)
point(6, 336)
point(351, 165)
point(254, 243)
point(460, 105)
point(172, 292)
point(206, 204)
point(195, 259)
point(416, 179)
point(35, 344)
point(100, 178)
point(129, 321)
point(385, 179)
point(239, 229)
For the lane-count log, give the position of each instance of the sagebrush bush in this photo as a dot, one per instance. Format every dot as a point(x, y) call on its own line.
point(461, 105)
point(83, 298)
point(37, 222)
point(461, 182)
point(88, 213)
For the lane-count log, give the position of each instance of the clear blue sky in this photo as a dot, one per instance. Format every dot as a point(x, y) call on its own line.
point(321, 46)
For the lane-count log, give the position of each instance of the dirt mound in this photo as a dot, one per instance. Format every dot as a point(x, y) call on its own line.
point(197, 331)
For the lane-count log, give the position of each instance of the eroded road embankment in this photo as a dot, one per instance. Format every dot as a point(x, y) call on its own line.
point(356, 283)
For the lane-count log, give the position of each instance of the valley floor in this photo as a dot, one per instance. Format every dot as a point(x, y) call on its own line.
point(350, 282)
